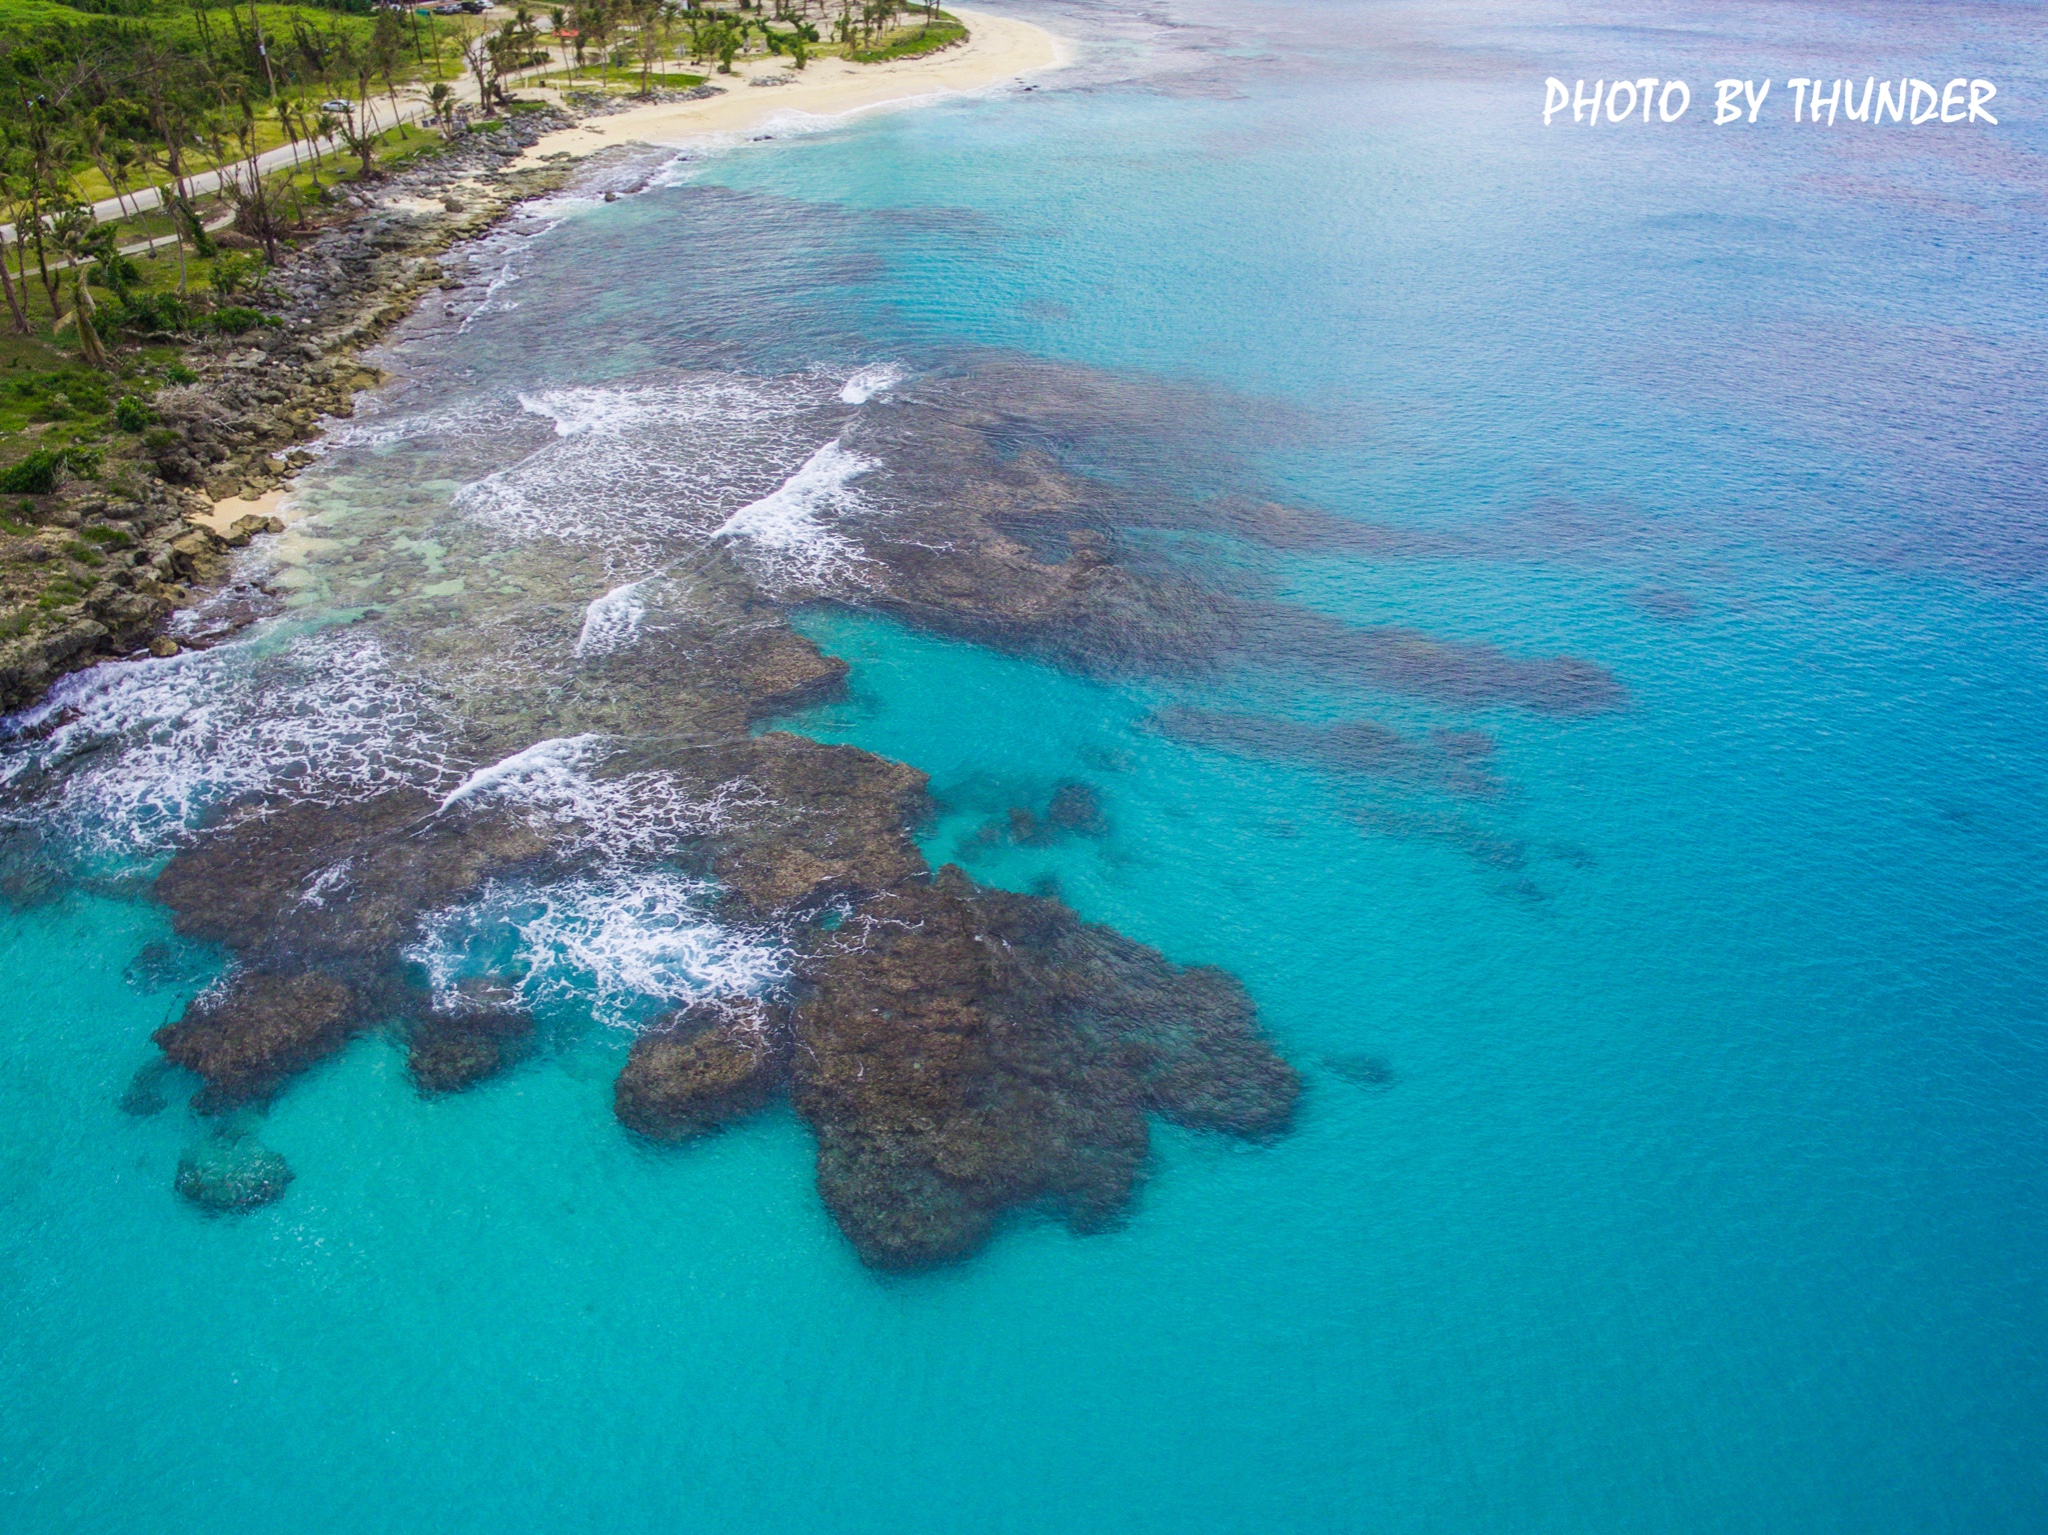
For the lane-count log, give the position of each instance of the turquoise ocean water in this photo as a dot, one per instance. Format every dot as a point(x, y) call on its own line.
point(1670, 1157)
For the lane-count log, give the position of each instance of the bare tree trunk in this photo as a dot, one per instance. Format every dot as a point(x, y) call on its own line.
point(81, 315)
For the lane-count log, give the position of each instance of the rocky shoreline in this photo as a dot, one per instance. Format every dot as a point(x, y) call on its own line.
point(123, 553)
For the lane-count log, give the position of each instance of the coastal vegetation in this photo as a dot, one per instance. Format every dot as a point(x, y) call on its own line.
point(146, 128)
point(161, 160)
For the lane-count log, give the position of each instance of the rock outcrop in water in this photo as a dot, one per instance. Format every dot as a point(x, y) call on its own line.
point(961, 1052)
point(835, 820)
point(965, 1051)
point(477, 1035)
point(317, 902)
point(701, 1068)
point(245, 1038)
point(308, 884)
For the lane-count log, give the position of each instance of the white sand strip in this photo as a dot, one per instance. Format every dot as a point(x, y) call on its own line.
point(998, 48)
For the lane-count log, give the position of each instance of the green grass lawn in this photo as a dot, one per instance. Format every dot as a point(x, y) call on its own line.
point(668, 76)
point(911, 41)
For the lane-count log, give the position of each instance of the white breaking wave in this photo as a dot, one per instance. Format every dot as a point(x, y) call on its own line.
point(629, 944)
point(141, 749)
point(633, 815)
point(379, 425)
point(628, 939)
point(575, 411)
point(651, 464)
point(786, 527)
point(557, 761)
point(871, 381)
point(612, 622)
point(613, 412)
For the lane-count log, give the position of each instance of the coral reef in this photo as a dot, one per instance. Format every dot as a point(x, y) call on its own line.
point(595, 712)
point(1363, 747)
point(700, 1068)
point(229, 1173)
point(479, 1034)
point(990, 538)
point(247, 1036)
point(836, 820)
point(966, 1050)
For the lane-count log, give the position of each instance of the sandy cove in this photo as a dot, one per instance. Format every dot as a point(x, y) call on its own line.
point(998, 48)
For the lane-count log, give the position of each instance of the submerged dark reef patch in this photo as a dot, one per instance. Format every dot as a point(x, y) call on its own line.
point(228, 1173)
point(1348, 746)
point(985, 534)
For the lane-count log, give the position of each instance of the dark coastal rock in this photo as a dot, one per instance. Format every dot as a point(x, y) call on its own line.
point(315, 883)
point(248, 1036)
point(965, 1051)
point(701, 1068)
point(229, 1173)
point(837, 821)
point(481, 1033)
point(199, 555)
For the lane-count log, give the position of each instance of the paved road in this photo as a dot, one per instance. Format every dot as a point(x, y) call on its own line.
point(410, 109)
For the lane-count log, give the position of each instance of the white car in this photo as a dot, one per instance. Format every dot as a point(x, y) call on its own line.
point(337, 106)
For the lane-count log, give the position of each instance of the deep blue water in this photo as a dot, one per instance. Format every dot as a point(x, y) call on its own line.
point(1703, 1186)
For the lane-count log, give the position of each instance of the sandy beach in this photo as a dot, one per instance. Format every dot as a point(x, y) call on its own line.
point(998, 48)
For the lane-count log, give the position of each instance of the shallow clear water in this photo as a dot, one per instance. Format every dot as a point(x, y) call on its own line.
point(1692, 1179)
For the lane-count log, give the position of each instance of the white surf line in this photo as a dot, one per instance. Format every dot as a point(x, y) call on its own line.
point(557, 759)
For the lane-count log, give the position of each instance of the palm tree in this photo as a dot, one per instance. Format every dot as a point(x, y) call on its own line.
point(325, 126)
point(83, 241)
point(441, 105)
point(123, 155)
point(284, 121)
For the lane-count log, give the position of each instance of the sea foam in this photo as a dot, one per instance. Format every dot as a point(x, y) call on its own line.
point(555, 784)
point(657, 465)
point(869, 382)
point(786, 529)
point(556, 762)
point(628, 944)
point(612, 622)
point(139, 750)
